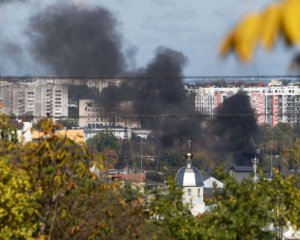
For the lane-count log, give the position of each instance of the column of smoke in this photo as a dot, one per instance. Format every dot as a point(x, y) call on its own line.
point(164, 100)
point(77, 41)
point(161, 103)
point(234, 129)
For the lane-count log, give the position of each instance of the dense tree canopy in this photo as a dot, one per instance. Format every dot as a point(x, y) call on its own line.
point(102, 140)
point(18, 202)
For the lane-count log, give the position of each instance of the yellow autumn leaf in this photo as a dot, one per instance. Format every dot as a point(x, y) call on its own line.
point(265, 27)
point(291, 21)
point(42, 237)
point(227, 44)
point(247, 35)
point(270, 26)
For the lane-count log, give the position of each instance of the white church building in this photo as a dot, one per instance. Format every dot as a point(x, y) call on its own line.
point(190, 179)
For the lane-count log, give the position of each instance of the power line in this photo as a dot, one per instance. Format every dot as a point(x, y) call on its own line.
point(175, 115)
point(128, 77)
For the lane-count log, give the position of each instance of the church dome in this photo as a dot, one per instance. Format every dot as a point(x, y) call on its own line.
point(189, 176)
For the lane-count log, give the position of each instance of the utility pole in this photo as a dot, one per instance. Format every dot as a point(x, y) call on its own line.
point(125, 158)
point(255, 162)
point(141, 154)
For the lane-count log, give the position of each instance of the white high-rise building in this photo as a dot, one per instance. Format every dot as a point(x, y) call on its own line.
point(40, 98)
point(272, 104)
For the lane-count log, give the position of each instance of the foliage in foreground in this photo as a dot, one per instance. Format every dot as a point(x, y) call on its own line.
point(17, 204)
point(48, 191)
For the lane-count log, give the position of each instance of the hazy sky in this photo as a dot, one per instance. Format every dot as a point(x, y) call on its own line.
point(191, 26)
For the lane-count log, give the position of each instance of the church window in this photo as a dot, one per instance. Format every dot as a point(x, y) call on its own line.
point(198, 192)
point(189, 192)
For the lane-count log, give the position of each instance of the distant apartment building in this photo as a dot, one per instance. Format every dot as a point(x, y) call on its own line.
point(272, 104)
point(100, 83)
point(40, 98)
point(93, 115)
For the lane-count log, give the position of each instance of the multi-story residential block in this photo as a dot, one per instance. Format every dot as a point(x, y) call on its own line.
point(273, 104)
point(40, 98)
point(95, 115)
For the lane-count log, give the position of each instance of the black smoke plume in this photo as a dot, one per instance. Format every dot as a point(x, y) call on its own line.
point(164, 100)
point(76, 41)
point(160, 100)
point(112, 95)
point(157, 89)
point(235, 129)
point(13, 55)
point(163, 90)
point(295, 64)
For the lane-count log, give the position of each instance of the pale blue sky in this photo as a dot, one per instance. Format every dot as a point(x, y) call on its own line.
point(194, 27)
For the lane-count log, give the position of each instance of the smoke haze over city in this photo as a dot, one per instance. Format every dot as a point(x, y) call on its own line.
point(85, 39)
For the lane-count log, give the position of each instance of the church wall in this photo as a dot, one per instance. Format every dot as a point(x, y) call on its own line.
point(193, 196)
